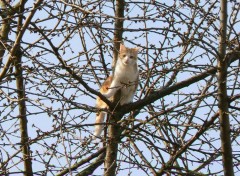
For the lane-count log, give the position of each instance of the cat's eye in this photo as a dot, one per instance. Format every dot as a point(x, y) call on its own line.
point(124, 55)
point(131, 57)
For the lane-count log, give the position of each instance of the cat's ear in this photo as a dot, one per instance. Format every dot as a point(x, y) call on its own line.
point(137, 49)
point(122, 47)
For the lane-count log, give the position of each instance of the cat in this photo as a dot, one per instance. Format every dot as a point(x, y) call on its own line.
point(125, 78)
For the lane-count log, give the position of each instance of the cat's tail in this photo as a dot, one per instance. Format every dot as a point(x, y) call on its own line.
point(99, 126)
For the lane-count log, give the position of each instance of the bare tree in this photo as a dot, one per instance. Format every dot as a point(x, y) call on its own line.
point(184, 118)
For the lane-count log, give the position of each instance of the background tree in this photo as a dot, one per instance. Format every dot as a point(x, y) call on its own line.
point(55, 55)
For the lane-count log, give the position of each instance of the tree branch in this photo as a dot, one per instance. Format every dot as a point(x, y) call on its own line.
point(156, 95)
point(89, 169)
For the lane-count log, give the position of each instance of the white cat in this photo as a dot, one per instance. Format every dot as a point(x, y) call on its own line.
point(125, 78)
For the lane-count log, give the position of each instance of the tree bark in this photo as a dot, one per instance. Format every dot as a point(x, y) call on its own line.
point(23, 118)
point(112, 146)
point(5, 29)
point(16, 56)
point(113, 130)
point(222, 94)
point(118, 29)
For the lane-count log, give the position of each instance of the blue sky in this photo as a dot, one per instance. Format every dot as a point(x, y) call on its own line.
point(159, 46)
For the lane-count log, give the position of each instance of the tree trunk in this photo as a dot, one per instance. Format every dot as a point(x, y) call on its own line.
point(112, 147)
point(113, 130)
point(17, 59)
point(118, 29)
point(22, 117)
point(5, 29)
point(222, 95)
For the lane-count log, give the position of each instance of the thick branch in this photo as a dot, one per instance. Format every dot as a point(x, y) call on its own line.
point(89, 170)
point(18, 39)
point(70, 71)
point(100, 153)
point(156, 95)
point(5, 27)
point(222, 95)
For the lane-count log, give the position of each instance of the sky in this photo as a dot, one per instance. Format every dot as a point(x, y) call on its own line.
point(42, 122)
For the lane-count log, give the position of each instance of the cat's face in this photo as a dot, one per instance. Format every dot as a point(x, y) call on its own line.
point(128, 56)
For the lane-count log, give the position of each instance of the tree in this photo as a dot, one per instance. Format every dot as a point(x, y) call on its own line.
point(55, 55)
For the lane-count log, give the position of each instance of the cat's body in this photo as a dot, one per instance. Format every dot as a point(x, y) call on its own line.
point(125, 78)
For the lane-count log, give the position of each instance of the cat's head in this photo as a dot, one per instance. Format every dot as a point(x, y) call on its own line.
point(128, 56)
